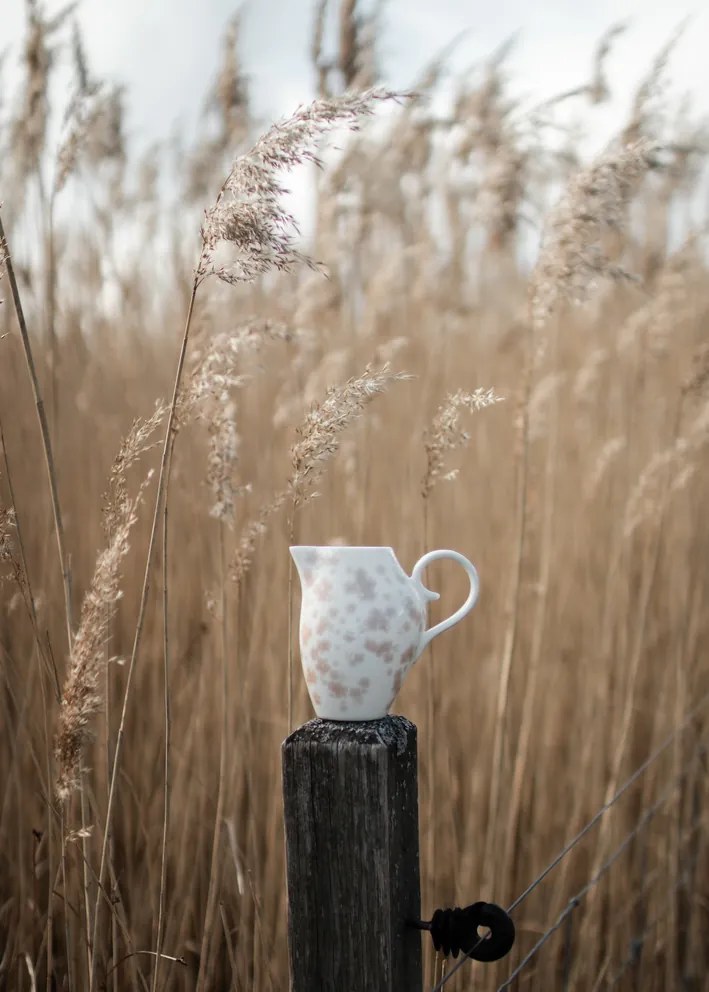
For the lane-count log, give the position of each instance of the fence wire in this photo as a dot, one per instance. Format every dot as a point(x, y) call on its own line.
point(637, 942)
point(566, 850)
point(651, 877)
point(576, 900)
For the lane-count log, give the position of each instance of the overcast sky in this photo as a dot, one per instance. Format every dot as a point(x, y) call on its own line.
point(165, 51)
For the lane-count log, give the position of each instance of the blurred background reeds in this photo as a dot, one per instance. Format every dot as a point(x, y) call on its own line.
point(460, 237)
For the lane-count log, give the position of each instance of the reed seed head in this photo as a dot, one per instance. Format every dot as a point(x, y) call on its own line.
point(81, 697)
point(320, 433)
point(446, 433)
point(7, 531)
point(249, 216)
point(208, 397)
point(573, 257)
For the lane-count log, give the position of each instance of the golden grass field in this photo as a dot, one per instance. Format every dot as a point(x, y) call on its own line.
point(581, 497)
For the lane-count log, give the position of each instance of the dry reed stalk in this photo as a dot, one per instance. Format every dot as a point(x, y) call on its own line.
point(599, 90)
point(682, 704)
point(542, 404)
point(231, 90)
point(349, 43)
point(571, 259)
point(83, 114)
point(65, 889)
point(644, 110)
point(166, 759)
point(3, 57)
point(511, 616)
point(316, 44)
point(29, 127)
point(248, 216)
point(612, 448)
point(214, 378)
point(224, 743)
point(651, 560)
point(12, 551)
point(29, 135)
point(229, 103)
point(44, 431)
point(522, 750)
point(444, 436)
point(668, 471)
point(81, 698)
point(11, 543)
point(137, 441)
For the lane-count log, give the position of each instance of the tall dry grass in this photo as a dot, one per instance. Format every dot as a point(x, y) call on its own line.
point(149, 823)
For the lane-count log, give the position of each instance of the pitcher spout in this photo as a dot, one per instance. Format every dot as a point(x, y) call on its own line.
point(298, 555)
point(304, 558)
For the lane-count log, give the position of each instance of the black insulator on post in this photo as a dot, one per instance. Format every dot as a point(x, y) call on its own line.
point(456, 930)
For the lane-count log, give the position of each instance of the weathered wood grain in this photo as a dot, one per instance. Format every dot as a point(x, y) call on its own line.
point(351, 816)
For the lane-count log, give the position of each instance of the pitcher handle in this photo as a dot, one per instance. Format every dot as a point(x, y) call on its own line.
point(427, 594)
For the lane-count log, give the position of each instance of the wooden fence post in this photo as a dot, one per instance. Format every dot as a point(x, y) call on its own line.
point(351, 816)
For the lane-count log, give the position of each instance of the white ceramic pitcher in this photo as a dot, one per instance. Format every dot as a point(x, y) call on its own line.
point(362, 625)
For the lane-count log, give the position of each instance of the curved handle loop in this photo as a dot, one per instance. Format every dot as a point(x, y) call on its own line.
point(427, 594)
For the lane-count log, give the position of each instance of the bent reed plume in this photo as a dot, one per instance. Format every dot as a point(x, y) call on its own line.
point(454, 236)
